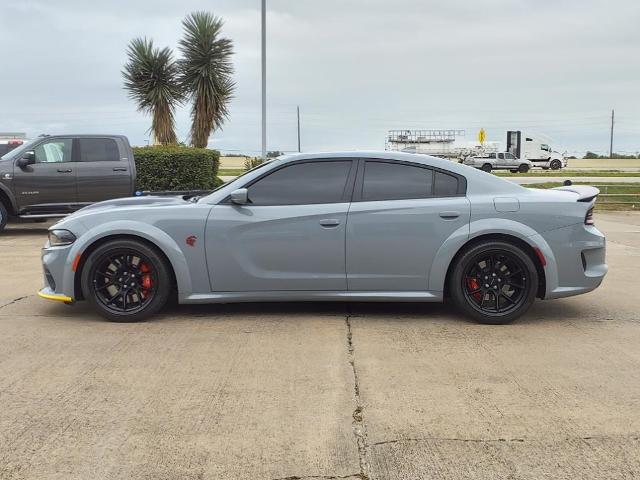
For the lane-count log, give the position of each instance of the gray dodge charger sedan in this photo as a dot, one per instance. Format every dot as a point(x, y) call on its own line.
point(346, 226)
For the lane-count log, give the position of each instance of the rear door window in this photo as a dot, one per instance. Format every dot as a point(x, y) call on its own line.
point(98, 150)
point(395, 181)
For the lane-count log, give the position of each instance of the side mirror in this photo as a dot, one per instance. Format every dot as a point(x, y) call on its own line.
point(29, 158)
point(240, 196)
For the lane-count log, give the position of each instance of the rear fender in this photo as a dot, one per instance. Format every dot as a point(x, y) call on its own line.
point(491, 226)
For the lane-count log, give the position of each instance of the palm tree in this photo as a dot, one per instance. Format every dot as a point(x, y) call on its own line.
point(151, 77)
point(205, 74)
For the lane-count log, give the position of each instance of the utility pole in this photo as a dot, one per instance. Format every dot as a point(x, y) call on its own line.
point(298, 108)
point(264, 79)
point(611, 140)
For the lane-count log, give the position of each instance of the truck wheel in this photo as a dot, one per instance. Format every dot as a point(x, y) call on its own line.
point(555, 165)
point(524, 168)
point(486, 167)
point(4, 216)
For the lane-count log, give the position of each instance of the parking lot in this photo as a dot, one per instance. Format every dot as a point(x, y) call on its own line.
point(275, 391)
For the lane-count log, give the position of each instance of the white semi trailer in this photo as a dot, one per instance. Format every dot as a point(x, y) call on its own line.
point(535, 148)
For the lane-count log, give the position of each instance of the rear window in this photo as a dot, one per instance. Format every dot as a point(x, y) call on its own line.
point(98, 150)
point(395, 181)
point(445, 185)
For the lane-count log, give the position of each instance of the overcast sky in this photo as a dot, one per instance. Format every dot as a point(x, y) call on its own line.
point(356, 68)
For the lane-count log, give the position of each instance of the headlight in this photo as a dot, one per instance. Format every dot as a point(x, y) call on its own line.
point(59, 238)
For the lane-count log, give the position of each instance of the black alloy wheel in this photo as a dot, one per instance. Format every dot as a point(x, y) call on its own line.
point(494, 282)
point(126, 281)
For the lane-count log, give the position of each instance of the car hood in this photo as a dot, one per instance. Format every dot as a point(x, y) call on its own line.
point(143, 201)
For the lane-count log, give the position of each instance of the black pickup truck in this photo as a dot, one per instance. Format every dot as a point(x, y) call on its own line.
point(55, 175)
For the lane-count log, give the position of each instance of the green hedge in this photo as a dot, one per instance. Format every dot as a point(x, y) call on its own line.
point(176, 168)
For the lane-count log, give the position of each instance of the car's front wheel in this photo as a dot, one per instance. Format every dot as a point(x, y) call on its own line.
point(126, 280)
point(523, 168)
point(556, 165)
point(494, 282)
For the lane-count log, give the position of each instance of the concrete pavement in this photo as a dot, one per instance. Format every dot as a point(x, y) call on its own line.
point(275, 391)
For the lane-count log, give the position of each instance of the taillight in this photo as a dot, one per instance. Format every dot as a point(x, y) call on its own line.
point(588, 219)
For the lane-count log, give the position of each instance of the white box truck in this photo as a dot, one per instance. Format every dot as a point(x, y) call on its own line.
point(535, 148)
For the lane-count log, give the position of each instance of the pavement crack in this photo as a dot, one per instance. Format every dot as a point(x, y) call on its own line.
point(15, 300)
point(359, 425)
point(449, 439)
point(355, 476)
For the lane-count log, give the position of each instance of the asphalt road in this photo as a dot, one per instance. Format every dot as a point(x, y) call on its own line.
point(295, 391)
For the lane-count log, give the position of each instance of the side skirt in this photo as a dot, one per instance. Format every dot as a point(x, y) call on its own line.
point(310, 296)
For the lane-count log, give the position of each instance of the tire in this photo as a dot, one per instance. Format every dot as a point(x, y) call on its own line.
point(102, 280)
point(524, 168)
point(4, 216)
point(555, 165)
point(478, 301)
point(486, 168)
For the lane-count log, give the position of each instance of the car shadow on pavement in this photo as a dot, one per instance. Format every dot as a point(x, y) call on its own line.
point(556, 311)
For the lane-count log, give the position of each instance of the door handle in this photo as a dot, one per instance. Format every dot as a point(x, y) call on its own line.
point(120, 169)
point(330, 222)
point(449, 215)
point(64, 170)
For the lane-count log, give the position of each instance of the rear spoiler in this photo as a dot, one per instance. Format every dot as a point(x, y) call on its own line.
point(585, 192)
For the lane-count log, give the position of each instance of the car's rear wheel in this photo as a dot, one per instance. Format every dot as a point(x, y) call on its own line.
point(126, 280)
point(524, 168)
point(555, 165)
point(494, 282)
point(486, 167)
point(4, 216)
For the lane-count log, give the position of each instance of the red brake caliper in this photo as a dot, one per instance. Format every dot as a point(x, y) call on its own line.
point(472, 283)
point(147, 282)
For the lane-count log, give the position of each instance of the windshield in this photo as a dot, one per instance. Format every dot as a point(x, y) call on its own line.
point(20, 150)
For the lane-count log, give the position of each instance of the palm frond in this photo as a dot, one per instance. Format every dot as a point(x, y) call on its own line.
point(205, 73)
point(151, 78)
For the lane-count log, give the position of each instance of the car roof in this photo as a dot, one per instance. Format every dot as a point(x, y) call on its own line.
point(81, 135)
point(373, 154)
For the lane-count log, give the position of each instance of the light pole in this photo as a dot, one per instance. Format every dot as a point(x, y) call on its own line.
point(264, 79)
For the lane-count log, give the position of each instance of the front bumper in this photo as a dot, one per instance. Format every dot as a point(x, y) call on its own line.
point(57, 285)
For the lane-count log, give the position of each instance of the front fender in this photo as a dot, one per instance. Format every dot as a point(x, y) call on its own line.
point(490, 226)
point(127, 227)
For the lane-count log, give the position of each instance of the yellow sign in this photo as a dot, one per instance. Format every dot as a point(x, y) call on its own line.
point(481, 136)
